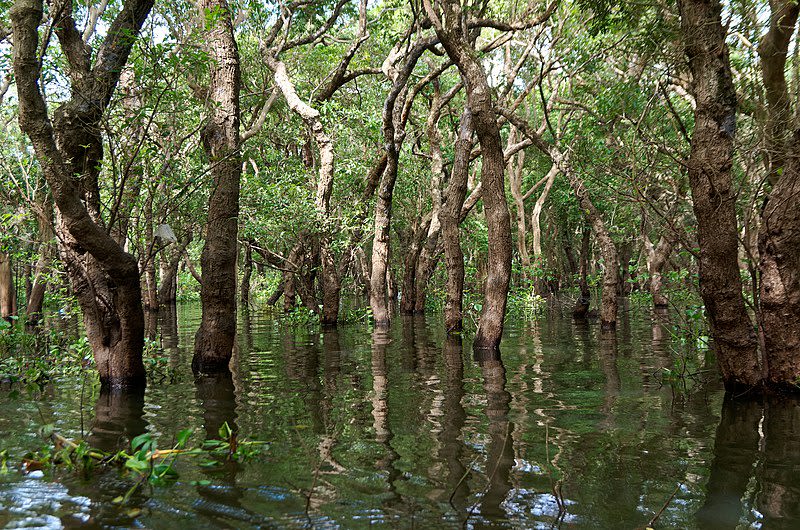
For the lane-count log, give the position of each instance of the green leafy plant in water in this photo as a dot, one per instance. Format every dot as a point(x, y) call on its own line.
point(151, 465)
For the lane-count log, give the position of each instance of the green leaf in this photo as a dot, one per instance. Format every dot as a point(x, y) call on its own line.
point(182, 437)
point(143, 441)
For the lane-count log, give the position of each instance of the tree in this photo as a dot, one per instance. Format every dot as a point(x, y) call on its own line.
point(69, 149)
point(214, 340)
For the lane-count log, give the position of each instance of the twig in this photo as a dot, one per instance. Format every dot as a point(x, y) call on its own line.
point(658, 514)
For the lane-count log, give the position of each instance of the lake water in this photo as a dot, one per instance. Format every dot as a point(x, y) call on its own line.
point(408, 429)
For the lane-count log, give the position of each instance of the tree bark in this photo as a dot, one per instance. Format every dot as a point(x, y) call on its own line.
point(455, 193)
point(779, 247)
point(6, 287)
point(608, 302)
point(498, 221)
point(104, 277)
point(214, 340)
point(714, 201)
point(772, 51)
point(393, 135)
point(515, 165)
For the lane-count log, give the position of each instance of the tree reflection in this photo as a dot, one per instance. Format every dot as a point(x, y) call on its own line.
point(756, 454)
point(500, 457)
point(454, 417)
point(380, 412)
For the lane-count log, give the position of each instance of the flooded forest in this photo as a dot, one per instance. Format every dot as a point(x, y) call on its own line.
point(399, 263)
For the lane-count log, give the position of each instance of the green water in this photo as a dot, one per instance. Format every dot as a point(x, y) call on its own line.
point(407, 429)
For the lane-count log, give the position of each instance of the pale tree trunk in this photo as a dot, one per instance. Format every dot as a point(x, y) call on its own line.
point(215, 339)
point(515, 165)
point(149, 259)
point(168, 272)
point(713, 199)
point(455, 194)
point(608, 305)
point(331, 283)
point(247, 271)
point(104, 277)
point(657, 258)
point(608, 250)
point(536, 227)
point(498, 222)
point(428, 258)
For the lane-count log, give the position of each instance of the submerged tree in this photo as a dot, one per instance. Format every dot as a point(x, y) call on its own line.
point(69, 148)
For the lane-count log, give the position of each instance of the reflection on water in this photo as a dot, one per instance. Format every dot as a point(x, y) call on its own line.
point(405, 428)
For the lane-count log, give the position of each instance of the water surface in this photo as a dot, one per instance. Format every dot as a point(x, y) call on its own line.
point(409, 429)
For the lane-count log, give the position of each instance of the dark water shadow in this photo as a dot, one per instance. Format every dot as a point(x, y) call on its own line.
point(452, 450)
point(754, 473)
point(500, 454)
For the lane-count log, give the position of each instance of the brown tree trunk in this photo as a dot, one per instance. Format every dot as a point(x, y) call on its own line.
point(40, 274)
point(393, 135)
point(104, 277)
point(412, 254)
point(713, 199)
point(772, 51)
point(6, 287)
point(498, 221)
point(214, 340)
point(455, 193)
point(779, 232)
point(779, 247)
point(582, 304)
point(168, 272)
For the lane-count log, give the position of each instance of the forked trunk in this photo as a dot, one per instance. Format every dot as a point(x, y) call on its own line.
point(104, 277)
point(450, 30)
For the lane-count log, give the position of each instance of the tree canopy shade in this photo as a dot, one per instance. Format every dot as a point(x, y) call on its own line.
point(334, 154)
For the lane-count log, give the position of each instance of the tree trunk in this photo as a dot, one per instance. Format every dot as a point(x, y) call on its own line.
point(713, 199)
point(40, 274)
point(455, 193)
point(772, 51)
point(536, 228)
point(393, 135)
point(6, 287)
point(244, 290)
point(657, 258)
point(779, 233)
point(412, 254)
point(331, 283)
point(168, 272)
point(779, 247)
point(214, 340)
point(582, 304)
point(608, 302)
point(498, 221)
point(104, 277)
point(515, 165)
